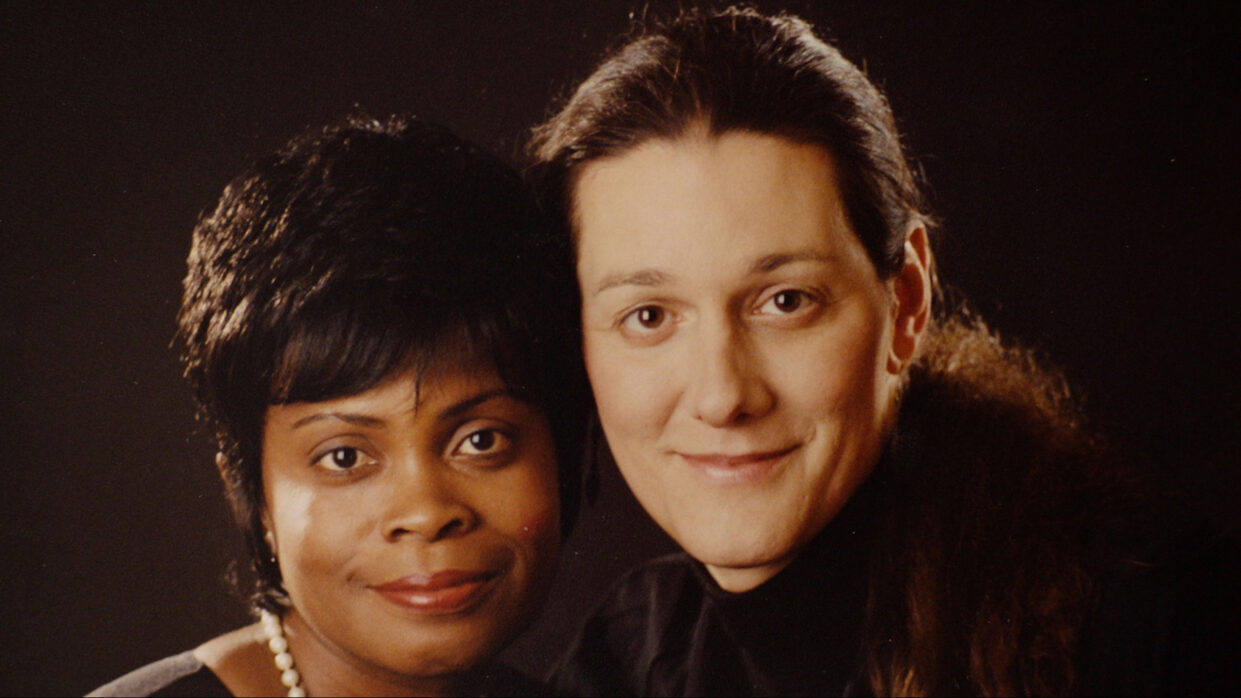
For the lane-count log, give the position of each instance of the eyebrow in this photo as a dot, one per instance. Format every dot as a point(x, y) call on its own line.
point(459, 408)
point(452, 410)
point(643, 277)
point(774, 261)
point(655, 277)
point(348, 417)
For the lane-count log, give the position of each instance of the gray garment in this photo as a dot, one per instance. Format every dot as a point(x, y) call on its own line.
point(158, 678)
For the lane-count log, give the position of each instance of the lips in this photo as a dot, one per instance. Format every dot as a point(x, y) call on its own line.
point(441, 593)
point(738, 468)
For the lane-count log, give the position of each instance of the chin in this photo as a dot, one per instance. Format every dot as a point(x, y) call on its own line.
point(446, 655)
point(740, 551)
point(454, 644)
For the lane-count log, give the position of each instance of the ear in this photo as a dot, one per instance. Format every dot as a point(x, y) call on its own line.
point(911, 299)
point(268, 536)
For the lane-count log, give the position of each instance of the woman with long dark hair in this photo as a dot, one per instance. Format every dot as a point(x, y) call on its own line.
point(872, 491)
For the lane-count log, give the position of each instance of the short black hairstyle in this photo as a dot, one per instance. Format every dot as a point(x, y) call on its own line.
point(358, 251)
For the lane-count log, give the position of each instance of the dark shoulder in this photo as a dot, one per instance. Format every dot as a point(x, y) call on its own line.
point(637, 625)
point(179, 675)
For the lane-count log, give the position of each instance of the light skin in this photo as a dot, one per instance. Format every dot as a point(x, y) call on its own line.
point(417, 532)
point(744, 353)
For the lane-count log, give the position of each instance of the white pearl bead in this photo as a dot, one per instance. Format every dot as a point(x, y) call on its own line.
point(284, 661)
point(290, 678)
point(271, 624)
point(273, 628)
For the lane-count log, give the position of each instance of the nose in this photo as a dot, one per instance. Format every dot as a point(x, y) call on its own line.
point(424, 503)
point(729, 387)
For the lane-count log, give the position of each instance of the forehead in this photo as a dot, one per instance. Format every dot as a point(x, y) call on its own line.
point(698, 196)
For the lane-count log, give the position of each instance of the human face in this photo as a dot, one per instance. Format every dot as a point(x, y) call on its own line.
point(738, 340)
point(417, 529)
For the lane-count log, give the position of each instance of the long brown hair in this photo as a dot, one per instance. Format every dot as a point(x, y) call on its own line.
point(980, 583)
point(996, 526)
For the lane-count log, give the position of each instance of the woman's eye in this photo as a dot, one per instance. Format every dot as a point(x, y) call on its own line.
point(646, 318)
point(343, 458)
point(786, 302)
point(484, 442)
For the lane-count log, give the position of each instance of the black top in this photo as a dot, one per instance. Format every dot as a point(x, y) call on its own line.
point(184, 675)
point(667, 629)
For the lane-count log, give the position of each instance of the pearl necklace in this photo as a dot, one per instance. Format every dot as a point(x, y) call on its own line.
point(279, 646)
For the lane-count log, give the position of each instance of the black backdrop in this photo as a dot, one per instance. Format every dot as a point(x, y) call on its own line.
point(1084, 161)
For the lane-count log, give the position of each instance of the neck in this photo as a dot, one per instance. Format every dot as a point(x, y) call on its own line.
point(328, 670)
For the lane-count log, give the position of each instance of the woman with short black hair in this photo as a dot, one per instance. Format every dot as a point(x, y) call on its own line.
point(375, 331)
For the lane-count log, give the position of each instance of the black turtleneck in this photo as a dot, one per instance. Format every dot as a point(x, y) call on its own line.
point(668, 629)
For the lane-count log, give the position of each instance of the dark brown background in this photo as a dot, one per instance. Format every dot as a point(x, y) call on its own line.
point(1084, 160)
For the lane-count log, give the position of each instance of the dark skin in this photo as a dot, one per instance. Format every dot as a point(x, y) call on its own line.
point(416, 529)
point(242, 662)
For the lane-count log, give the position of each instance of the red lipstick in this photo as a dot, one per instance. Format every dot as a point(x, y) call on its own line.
point(441, 593)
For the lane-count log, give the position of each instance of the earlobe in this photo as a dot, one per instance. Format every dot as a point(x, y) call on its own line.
point(912, 291)
point(268, 537)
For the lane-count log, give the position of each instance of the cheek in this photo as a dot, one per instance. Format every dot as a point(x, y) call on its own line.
point(288, 511)
point(538, 526)
point(530, 517)
point(524, 504)
point(313, 532)
point(842, 385)
point(633, 396)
